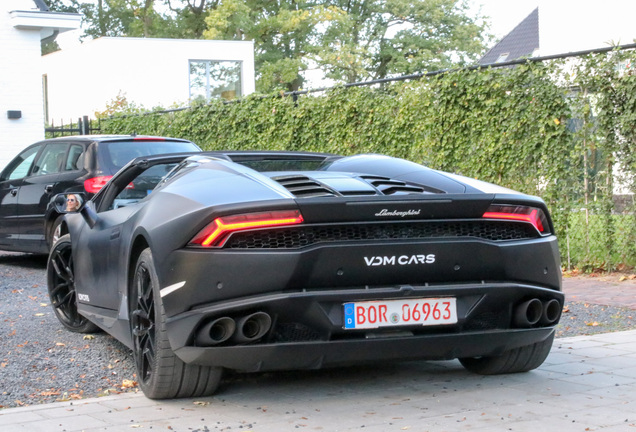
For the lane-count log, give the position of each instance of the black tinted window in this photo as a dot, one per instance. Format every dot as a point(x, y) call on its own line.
point(283, 165)
point(75, 158)
point(118, 153)
point(51, 160)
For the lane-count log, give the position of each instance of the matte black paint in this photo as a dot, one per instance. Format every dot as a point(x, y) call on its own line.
point(306, 287)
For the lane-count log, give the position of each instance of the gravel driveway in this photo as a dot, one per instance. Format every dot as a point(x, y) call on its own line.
point(40, 362)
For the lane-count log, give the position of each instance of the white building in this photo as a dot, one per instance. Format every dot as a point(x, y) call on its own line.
point(23, 24)
point(83, 79)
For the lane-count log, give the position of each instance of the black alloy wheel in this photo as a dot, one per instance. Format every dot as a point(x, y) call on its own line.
point(142, 321)
point(61, 287)
point(161, 373)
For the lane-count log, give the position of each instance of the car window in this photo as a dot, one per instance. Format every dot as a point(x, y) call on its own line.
point(75, 158)
point(19, 167)
point(51, 160)
point(118, 153)
point(141, 186)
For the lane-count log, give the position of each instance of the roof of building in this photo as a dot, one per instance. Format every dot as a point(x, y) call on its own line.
point(522, 41)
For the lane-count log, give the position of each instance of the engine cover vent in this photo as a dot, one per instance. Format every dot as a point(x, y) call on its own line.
point(388, 186)
point(304, 187)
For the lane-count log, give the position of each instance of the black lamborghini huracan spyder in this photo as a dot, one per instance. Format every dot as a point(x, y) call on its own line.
point(255, 261)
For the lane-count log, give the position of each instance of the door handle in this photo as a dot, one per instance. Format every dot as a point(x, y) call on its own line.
point(48, 188)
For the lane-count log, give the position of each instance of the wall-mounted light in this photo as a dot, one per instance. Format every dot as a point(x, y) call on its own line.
point(14, 115)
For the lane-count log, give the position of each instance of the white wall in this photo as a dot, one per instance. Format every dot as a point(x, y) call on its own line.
point(148, 72)
point(20, 83)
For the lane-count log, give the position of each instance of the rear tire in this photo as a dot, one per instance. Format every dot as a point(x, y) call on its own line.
point(516, 360)
point(60, 277)
point(161, 374)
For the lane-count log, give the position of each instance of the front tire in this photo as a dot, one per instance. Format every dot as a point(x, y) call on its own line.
point(60, 277)
point(160, 372)
point(516, 360)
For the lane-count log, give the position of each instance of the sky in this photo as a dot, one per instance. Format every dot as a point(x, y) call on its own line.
point(566, 25)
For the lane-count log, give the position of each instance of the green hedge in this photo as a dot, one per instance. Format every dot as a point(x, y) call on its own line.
point(554, 129)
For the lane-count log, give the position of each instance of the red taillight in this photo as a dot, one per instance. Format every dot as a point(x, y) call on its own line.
point(215, 233)
point(531, 215)
point(93, 185)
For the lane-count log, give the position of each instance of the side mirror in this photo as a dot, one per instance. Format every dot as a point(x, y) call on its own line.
point(69, 202)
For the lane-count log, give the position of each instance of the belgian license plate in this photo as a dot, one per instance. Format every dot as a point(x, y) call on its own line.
point(389, 313)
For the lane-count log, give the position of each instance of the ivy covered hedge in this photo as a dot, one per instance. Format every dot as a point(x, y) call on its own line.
point(562, 130)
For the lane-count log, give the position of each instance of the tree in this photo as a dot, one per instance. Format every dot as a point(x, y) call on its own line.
point(349, 40)
point(104, 17)
point(189, 16)
point(379, 39)
point(287, 35)
point(135, 18)
point(69, 6)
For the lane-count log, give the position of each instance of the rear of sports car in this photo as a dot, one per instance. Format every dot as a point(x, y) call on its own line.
point(348, 267)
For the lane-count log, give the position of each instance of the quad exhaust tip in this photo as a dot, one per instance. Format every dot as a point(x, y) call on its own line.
point(243, 330)
point(535, 311)
point(252, 327)
point(215, 332)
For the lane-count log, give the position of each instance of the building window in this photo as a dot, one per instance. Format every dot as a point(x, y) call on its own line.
point(502, 57)
point(214, 79)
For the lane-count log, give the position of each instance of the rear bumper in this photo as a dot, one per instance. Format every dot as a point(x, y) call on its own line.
point(307, 327)
point(316, 355)
point(211, 277)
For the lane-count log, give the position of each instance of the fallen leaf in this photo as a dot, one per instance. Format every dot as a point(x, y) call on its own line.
point(201, 403)
point(88, 337)
point(128, 384)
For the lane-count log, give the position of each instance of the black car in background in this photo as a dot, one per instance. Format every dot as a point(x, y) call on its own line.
point(69, 164)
